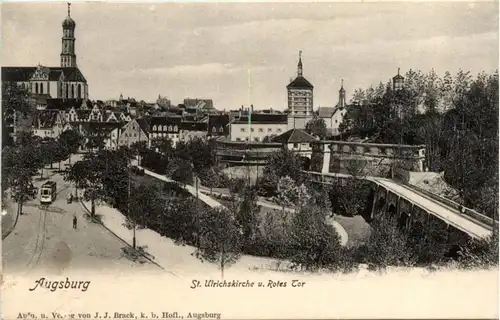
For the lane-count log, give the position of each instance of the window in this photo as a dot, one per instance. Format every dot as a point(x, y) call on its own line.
point(36, 87)
point(256, 139)
point(269, 130)
point(41, 87)
point(238, 139)
point(135, 135)
point(279, 130)
point(169, 128)
point(176, 128)
point(72, 91)
point(252, 129)
point(242, 129)
point(221, 129)
point(165, 128)
point(246, 139)
point(214, 129)
point(261, 130)
point(336, 121)
point(80, 91)
point(295, 145)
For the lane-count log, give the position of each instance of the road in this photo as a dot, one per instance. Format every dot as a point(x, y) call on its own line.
point(44, 240)
point(439, 210)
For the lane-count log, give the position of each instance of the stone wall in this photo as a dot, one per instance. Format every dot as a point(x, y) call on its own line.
point(368, 158)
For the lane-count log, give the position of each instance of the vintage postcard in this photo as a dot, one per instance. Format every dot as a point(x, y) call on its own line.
point(249, 160)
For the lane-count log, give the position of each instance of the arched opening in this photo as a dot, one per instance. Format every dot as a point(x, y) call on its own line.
point(72, 91)
point(80, 91)
point(392, 210)
point(41, 87)
point(379, 208)
point(36, 88)
point(403, 220)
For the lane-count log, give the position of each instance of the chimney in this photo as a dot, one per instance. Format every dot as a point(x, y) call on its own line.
point(251, 108)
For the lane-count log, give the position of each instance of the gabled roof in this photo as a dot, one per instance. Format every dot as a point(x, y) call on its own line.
point(45, 119)
point(165, 120)
point(326, 112)
point(300, 83)
point(19, 74)
point(193, 126)
point(294, 136)
point(100, 127)
point(65, 104)
point(83, 113)
point(198, 103)
point(218, 120)
point(143, 124)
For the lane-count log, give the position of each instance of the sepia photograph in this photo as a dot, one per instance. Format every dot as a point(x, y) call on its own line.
point(249, 160)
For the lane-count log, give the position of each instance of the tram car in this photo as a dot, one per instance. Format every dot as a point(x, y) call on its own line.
point(48, 192)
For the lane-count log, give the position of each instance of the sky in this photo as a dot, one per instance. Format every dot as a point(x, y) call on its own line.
point(242, 53)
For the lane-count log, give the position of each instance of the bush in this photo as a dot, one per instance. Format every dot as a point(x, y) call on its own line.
point(479, 253)
point(236, 185)
point(349, 196)
point(386, 246)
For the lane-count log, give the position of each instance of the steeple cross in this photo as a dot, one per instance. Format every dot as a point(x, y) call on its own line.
point(300, 54)
point(69, 8)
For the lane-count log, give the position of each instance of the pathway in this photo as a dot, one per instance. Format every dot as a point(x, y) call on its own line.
point(44, 241)
point(344, 237)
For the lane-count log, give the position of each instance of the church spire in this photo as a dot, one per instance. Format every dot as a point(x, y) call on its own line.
point(68, 56)
point(299, 66)
point(341, 103)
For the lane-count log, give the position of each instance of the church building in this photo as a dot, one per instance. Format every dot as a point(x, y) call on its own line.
point(64, 82)
point(300, 100)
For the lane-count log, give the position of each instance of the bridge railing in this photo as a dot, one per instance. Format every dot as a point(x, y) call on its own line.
point(450, 203)
point(319, 177)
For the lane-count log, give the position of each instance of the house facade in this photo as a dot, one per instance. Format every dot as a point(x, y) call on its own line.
point(134, 131)
point(261, 125)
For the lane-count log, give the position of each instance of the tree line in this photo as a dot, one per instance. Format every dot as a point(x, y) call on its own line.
point(455, 117)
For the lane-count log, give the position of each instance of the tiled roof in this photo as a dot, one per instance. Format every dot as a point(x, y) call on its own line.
point(55, 75)
point(24, 74)
point(17, 73)
point(45, 119)
point(192, 103)
point(100, 127)
point(164, 120)
point(83, 114)
point(66, 104)
point(326, 112)
point(143, 124)
point(263, 118)
point(193, 126)
point(300, 83)
point(218, 120)
point(294, 136)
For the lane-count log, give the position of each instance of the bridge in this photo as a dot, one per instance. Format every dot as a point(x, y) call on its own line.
point(412, 205)
point(407, 203)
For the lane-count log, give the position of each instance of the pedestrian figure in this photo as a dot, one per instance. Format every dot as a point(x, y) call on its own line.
point(74, 222)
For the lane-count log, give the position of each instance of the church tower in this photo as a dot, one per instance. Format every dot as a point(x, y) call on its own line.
point(68, 56)
point(342, 96)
